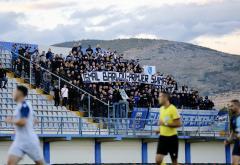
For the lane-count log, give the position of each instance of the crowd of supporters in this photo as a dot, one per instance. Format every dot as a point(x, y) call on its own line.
point(79, 60)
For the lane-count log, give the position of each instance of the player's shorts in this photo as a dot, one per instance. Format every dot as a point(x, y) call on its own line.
point(33, 150)
point(236, 148)
point(168, 144)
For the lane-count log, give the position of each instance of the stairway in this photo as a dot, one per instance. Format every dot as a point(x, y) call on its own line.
point(56, 120)
point(52, 119)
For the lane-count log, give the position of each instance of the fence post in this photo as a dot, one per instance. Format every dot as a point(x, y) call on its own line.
point(46, 151)
point(183, 128)
point(108, 110)
point(61, 125)
point(127, 124)
point(199, 128)
point(134, 126)
point(80, 125)
point(41, 125)
point(187, 152)
point(151, 121)
point(30, 72)
point(89, 104)
point(144, 152)
point(228, 154)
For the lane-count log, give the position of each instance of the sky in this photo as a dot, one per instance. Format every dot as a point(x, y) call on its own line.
point(211, 23)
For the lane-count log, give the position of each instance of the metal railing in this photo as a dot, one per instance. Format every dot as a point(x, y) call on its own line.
point(41, 77)
point(126, 127)
point(92, 126)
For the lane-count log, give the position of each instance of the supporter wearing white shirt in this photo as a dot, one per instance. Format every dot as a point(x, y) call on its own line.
point(64, 94)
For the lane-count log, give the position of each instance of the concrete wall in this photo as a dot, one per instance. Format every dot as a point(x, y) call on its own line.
point(80, 151)
point(125, 151)
point(208, 152)
point(4, 146)
point(152, 147)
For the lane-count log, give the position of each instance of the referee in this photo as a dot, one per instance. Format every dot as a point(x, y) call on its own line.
point(169, 122)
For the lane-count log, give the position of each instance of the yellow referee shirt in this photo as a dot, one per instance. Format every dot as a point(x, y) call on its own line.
point(167, 115)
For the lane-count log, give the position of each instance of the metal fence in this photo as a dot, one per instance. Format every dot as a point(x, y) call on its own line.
point(38, 76)
point(125, 127)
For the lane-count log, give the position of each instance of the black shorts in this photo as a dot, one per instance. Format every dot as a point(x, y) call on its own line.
point(168, 144)
point(236, 148)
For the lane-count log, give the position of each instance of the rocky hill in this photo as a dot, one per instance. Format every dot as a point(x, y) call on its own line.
point(210, 71)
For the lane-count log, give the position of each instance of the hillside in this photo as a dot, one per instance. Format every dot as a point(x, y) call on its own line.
point(210, 71)
point(223, 99)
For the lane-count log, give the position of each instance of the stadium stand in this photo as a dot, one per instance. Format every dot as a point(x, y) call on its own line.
point(51, 118)
point(58, 120)
point(80, 61)
point(58, 123)
point(47, 66)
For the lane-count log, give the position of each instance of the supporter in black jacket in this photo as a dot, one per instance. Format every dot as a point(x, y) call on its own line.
point(56, 91)
point(144, 101)
point(71, 95)
point(19, 67)
point(116, 96)
point(89, 50)
point(3, 77)
point(38, 76)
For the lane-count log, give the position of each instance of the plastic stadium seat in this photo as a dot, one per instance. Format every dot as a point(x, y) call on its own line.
point(40, 113)
point(36, 113)
point(45, 113)
point(9, 112)
point(51, 124)
point(4, 106)
point(9, 100)
point(39, 102)
point(44, 107)
point(40, 107)
point(34, 102)
point(4, 112)
point(9, 106)
point(44, 110)
point(55, 114)
point(34, 97)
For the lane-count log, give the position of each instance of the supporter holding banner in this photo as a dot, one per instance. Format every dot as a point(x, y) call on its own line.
point(110, 76)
